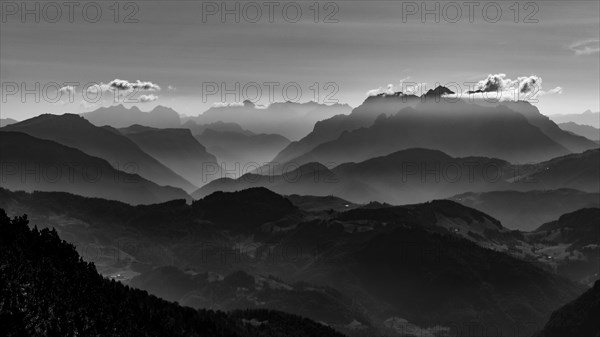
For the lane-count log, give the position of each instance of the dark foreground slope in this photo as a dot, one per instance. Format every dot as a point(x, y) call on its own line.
point(47, 290)
point(577, 317)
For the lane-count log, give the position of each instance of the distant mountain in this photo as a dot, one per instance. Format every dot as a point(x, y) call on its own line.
point(106, 143)
point(292, 120)
point(7, 121)
point(426, 126)
point(586, 131)
point(527, 210)
point(198, 129)
point(586, 118)
point(418, 175)
point(29, 164)
point(330, 129)
point(457, 128)
point(577, 317)
point(177, 149)
point(574, 143)
point(577, 171)
point(239, 153)
point(48, 290)
point(118, 116)
point(407, 176)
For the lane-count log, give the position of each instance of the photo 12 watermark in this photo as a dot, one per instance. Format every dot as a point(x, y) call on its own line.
point(69, 11)
point(470, 11)
point(268, 92)
point(271, 12)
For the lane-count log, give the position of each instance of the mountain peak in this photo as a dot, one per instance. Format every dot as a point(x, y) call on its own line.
point(162, 109)
point(438, 92)
point(67, 119)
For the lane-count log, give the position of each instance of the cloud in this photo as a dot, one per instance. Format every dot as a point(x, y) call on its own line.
point(493, 83)
point(171, 88)
point(67, 90)
point(137, 85)
point(390, 89)
point(555, 91)
point(148, 98)
point(88, 105)
point(225, 104)
point(374, 92)
point(521, 88)
point(586, 47)
point(529, 84)
point(98, 88)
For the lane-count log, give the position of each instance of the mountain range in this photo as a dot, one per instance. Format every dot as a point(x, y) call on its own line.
point(383, 124)
point(289, 119)
point(238, 152)
point(586, 118)
point(418, 175)
point(406, 216)
point(102, 142)
point(7, 121)
point(586, 131)
point(528, 210)
point(32, 164)
point(178, 150)
point(118, 116)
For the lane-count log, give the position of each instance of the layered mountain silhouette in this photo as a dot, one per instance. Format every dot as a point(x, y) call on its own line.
point(406, 216)
point(48, 290)
point(577, 171)
point(198, 129)
point(177, 149)
point(330, 129)
point(102, 142)
point(421, 264)
point(574, 143)
point(383, 124)
point(528, 210)
point(7, 121)
point(118, 116)
point(418, 175)
point(289, 119)
point(586, 131)
point(586, 118)
point(32, 164)
point(239, 153)
point(459, 129)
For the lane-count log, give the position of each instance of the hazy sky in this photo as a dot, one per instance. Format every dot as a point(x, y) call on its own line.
point(184, 47)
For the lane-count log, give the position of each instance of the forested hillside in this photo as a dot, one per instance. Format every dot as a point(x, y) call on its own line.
point(46, 289)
